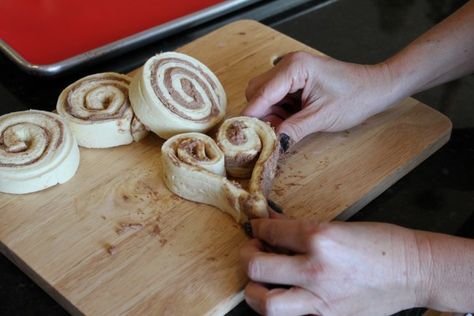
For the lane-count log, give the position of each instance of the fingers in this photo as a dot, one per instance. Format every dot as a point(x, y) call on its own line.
point(276, 115)
point(270, 88)
point(293, 301)
point(275, 210)
point(269, 94)
point(296, 127)
point(266, 267)
point(286, 233)
point(312, 119)
point(276, 215)
point(274, 120)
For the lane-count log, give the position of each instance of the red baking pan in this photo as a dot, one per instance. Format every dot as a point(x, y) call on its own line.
point(49, 36)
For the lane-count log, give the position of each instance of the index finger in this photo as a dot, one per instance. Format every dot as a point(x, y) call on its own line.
point(268, 94)
point(287, 233)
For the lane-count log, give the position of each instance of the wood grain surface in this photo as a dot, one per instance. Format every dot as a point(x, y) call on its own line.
point(113, 240)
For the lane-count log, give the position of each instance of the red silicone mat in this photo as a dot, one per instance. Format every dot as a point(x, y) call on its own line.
point(48, 31)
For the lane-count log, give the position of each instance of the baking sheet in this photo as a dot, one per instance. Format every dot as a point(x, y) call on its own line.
point(48, 37)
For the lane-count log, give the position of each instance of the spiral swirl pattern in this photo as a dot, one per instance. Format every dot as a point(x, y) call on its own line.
point(99, 111)
point(251, 149)
point(195, 166)
point(194, 169)
point(37, 150)
point(241, 144)
point(175, 93)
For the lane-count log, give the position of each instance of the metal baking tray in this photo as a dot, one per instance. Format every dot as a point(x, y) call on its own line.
point(126, 43)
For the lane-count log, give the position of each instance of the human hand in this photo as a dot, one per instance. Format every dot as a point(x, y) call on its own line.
point(338, 268)
point(304, 94)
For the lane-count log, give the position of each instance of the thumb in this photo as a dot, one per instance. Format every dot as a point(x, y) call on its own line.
point(311, 119)
point(292, 130)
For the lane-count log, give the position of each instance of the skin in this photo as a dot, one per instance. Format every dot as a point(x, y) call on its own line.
point(356, 268)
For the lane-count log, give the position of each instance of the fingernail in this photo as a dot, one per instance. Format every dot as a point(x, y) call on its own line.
point(285, 142)
point(276, 60)
point(277, 208)
point(248, 229)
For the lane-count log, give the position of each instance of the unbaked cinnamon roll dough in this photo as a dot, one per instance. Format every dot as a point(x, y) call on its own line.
point(98, 110)
point(194, 166)
point(37, 151)
point(174, 93)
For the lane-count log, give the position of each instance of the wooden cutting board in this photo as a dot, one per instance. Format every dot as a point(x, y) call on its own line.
point(183, 259)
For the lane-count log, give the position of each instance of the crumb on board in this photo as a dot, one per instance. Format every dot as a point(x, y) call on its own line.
point(128, 227)
point(156, 230)
point(175, 198)
point(111, 249)
point(279, 191)
point(296, 176)
point(294, 184)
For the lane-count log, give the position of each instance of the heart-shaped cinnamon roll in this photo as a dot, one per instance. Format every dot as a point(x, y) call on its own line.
point(195, 166)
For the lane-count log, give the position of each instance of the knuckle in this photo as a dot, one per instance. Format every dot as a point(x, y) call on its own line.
point(296, 57)
point(312, 233)
point(313, 242)
point(296, 130)
point(312, 271)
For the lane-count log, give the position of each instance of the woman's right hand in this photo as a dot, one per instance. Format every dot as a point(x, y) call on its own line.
point(304, 94)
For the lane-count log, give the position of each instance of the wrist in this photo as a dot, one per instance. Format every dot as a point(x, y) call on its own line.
point(446, 269)
point(413, 268)
point(394, 87)
point(423, 269)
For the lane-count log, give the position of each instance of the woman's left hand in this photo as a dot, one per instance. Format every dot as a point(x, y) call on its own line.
point(337, 268)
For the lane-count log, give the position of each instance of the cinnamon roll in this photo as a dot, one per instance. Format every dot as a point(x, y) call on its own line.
point(251, 149)
point(37, 151)
point(195, 169)
point(174, 93)
point(98, 110)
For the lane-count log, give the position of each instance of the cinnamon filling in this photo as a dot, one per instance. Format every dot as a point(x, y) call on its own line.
point(194, 148)
point(242, 160)
point(234, 133)
point(96, 114)
point(188, 88)
point(21, 149)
